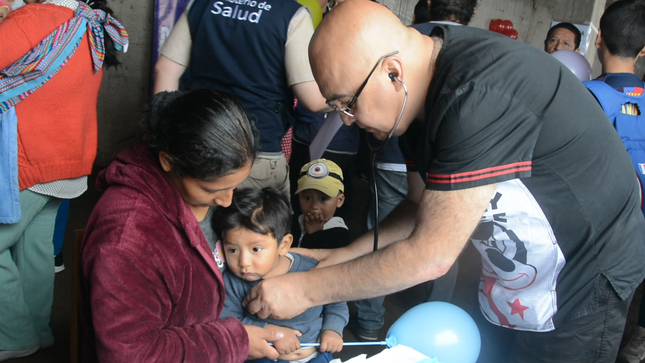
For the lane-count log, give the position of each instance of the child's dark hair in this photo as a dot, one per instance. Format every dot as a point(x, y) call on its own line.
point(206, 133)
point(458, 11)
point(568, 26)
point(265, 211)
point(622, 27)
point(111, 59)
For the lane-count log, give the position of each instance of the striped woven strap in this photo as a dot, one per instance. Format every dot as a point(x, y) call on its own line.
point(41, 63)
point(98, 20)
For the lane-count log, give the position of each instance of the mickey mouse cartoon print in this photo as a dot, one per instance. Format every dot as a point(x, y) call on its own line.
point(517, 285)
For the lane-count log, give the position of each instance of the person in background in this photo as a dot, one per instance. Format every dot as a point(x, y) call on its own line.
point(452, 12)
point(321, 191)
point(392, 184)
point(421, 12)
point(490, 162)
point(48, 108)
point(259, 56)
point(256, 240)
point(59, 235)
point(562, 36)
point(620, 43)
point(342, 148)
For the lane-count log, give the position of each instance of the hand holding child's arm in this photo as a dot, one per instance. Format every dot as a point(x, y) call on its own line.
point(330, 341)
point(289, 343)
point(259, 339)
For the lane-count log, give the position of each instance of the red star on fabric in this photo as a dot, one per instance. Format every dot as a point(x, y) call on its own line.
point(517, 308)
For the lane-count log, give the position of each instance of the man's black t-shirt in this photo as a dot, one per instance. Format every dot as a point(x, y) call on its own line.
point(566, 206)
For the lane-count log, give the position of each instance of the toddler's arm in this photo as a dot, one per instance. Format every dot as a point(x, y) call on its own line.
point(335, 317)
point(330, 341)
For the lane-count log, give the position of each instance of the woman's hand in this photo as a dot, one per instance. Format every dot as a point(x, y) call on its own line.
point(259, 339)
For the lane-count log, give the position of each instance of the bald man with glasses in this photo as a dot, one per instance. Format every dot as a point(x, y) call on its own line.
point(511, 154)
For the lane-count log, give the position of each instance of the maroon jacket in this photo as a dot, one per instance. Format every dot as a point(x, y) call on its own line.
point(150, 288)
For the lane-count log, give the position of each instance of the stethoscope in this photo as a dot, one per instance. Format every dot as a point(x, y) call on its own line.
point(374, 150)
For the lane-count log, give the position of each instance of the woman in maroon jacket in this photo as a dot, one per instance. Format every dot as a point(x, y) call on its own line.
point(152, 289)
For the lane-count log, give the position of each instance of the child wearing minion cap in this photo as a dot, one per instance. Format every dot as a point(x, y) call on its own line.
point(320, 192)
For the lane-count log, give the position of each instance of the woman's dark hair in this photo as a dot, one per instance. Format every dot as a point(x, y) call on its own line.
point(206, 133)
point(111, 59)
point(265, 211)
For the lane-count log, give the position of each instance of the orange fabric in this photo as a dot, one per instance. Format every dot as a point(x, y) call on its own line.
point(57, 127)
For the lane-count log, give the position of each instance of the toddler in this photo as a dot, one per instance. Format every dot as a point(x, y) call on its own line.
point(256, 240)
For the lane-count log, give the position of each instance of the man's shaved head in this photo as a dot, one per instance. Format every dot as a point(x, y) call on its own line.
point(348, 44)
point(351, 38)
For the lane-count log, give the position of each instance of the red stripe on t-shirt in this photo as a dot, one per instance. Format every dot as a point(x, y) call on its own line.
point(480, 174)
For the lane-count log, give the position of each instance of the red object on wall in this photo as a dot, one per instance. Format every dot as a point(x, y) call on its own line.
point(503, 26)
point(495, 25)
point(507, 25)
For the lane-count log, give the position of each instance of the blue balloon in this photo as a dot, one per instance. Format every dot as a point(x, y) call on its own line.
point(439, 330)
point(576, 63)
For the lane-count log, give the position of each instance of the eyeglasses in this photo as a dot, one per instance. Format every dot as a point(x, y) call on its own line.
point(347, 110)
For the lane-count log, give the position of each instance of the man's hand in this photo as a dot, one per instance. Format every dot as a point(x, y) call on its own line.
point(330, 341)
point(259, 340)
point(279, 297)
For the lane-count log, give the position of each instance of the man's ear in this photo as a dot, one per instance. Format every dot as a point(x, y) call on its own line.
point(341, 200)
point(598, 42)
point(285, 244)
point(166, 161)
point(641, 53)
point(394, 69)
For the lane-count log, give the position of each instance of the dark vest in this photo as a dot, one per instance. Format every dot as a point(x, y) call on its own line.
point(238, 48)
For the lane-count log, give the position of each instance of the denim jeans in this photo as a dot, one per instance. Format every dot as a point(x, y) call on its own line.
point(392, 190)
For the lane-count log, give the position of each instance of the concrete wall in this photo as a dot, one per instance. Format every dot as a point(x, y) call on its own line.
point(126, 90)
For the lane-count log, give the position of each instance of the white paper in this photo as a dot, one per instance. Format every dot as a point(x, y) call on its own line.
point(398, 354)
